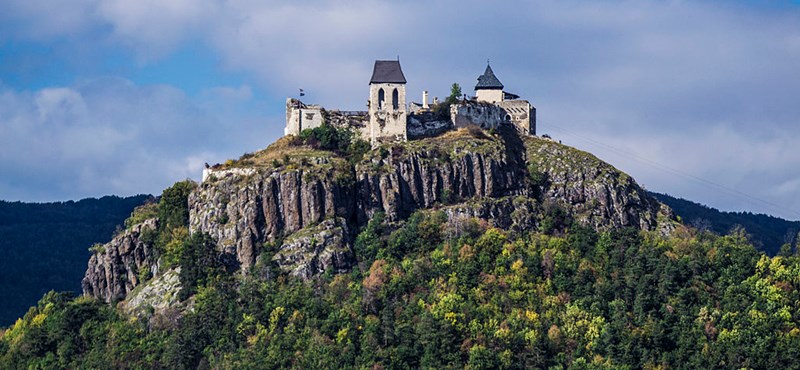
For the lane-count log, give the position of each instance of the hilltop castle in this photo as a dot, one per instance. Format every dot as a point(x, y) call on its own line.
point(389, 118)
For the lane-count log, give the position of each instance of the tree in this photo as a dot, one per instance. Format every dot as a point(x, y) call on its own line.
point(199, 263)
point(455, 93)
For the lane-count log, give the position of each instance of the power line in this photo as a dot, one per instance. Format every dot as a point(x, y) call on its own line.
point(663, 167)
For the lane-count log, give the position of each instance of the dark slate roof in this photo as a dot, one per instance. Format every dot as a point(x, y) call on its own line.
point(488, 81)
point(387, 71)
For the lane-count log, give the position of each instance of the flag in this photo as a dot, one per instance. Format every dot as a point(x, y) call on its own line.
point(302, 93)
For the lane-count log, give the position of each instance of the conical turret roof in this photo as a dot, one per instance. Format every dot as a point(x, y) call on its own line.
point(488, 81)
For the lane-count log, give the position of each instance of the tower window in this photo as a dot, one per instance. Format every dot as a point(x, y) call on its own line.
point(381, 98)
point(395, 100)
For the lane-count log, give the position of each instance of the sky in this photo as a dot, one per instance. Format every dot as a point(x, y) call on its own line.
point(697, 99)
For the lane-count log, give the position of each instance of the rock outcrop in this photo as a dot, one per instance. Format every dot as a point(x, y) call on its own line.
point(158, 294)
point(593, 191)
point(428, 176)
point(501, 177)
point(242, 213)
point(118, 266)
point(316, 249)
point(302, 207)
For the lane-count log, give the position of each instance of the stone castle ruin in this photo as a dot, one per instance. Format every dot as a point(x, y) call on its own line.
point(389, 118)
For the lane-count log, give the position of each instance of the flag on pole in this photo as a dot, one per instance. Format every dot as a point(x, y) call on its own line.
point(302, 93)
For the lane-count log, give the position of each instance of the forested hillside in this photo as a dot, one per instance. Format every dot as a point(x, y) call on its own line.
point(438, 294)
point(768, 233)
point(44, 246)
point(475, 249)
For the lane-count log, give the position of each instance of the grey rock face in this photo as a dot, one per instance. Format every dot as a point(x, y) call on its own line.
point(159, 293)
point(515, 213)
point(114, 268)
point(316, 249)
point(593, 191)
point(242, 213)
point(309, 211)
point(484, 178)
point(423, 179)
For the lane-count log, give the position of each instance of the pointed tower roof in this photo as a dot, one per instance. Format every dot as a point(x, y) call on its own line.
point(387, 71)
point(488, 81)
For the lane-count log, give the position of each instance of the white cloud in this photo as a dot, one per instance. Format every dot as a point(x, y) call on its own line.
point(706, 87)
point(110, 136)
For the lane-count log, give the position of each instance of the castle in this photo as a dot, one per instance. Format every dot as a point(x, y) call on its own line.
point(389, 118)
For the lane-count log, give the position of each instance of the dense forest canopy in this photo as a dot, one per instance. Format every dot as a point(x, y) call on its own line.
point(45, 246)
point(454, 293)
point(768, 233)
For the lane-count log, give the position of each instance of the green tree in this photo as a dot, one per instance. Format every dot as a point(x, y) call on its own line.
point(455, 94)
point(199, 263)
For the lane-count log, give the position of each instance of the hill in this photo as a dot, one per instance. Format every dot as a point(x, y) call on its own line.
point(45, 246)
point(475, 249)
point(768, 233)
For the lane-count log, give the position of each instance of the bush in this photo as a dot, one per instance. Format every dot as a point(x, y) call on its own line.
point(338, 140)
point(141, 213)
point(327, 137)
point(555, 220)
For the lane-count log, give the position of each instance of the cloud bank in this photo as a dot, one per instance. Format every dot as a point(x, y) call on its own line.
point(110, 136)
point(708, 88)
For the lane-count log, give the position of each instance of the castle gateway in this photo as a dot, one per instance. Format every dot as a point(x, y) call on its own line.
point(389, 118)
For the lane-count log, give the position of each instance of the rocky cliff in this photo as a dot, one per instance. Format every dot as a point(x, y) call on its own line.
point(118, 266)
point(591, 190)
point(304, 206)
point(471, 172)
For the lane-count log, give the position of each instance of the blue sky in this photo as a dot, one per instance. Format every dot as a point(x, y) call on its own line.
point(695, 99)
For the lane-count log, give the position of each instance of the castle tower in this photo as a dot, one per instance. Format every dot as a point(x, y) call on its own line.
point(489, 89)
point(387, 102)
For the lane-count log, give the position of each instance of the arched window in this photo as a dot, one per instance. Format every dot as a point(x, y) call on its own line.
point(395, 100)
point(381, 98)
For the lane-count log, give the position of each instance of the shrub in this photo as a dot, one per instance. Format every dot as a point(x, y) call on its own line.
point(338, 140)
point(141, 213)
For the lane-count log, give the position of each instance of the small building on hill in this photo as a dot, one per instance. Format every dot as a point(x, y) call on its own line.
point(389, 118)
point(492, 106)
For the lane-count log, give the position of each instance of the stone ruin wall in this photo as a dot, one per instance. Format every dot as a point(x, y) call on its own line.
point(520, 113)
point(300, 116)
point(383, 126)
point(484, 115)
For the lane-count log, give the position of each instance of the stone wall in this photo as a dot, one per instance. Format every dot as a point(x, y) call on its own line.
point(484, 115)
point(208, 172)
point(300, 116)
point(522, 114)
point(357, 121)
point(385, 123)
point(425, 124)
